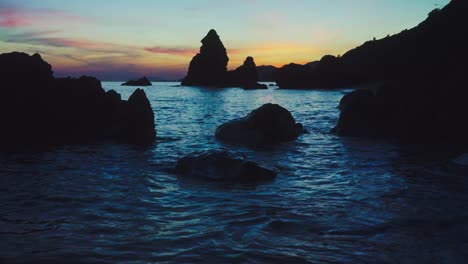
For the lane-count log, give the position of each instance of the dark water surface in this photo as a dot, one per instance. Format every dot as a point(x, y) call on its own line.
point(336, 200)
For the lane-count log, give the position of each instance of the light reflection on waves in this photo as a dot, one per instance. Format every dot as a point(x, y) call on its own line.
point(335, 200)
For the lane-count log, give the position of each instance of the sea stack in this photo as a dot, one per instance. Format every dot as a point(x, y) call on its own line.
point(209, 67)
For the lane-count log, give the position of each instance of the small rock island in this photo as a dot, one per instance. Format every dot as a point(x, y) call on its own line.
point(140, 82)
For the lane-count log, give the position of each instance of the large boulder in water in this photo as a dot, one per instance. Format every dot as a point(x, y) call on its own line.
point(355, 96)
point(221, 165)
point(209, 67)
point(268, 124)
point(36, 108)
point(359, 114)
point(140, 82)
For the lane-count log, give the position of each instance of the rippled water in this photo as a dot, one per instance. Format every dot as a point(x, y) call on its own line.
point(336, 200)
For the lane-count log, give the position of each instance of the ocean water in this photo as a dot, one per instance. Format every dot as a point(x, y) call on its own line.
point(336, 200)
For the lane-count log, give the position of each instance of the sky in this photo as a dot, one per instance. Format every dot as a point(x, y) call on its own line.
point(118, 40)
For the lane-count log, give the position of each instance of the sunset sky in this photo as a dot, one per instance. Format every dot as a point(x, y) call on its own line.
point(117, 40)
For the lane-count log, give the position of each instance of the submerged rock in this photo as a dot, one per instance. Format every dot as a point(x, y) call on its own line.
point(462, 160)
point(140, 82)
point(40, 109)
point(209, 66)
point(268, 124)
point(222, 165)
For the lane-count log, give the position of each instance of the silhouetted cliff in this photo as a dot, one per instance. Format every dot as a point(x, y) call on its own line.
point(423, 71)
point(432, 48)
point(36, 108)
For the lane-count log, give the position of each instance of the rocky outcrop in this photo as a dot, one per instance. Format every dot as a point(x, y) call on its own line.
point(418, 110)
point(265, 73)
point(209, 66)
point(38, 109)
point(246, 76)
point(138, 121)
point(268, 124)
point(140, 82)
point(221, 165)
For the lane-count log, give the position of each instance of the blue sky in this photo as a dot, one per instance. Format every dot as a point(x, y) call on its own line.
point(121, 39)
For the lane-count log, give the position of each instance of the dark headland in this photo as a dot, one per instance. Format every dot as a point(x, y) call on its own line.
point(421, 75)
point(38, 109)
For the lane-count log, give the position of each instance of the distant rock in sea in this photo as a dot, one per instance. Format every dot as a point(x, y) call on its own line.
point(222, 165)
point(268, 124)
point(140, 82)
point(43, 110)
point(209, 68)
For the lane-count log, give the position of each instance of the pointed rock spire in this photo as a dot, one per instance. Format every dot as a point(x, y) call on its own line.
point(209, 67)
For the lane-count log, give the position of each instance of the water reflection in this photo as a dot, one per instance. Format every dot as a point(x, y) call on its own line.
point(337, 200)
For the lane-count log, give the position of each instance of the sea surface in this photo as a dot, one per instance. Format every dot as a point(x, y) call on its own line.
point(336, 200)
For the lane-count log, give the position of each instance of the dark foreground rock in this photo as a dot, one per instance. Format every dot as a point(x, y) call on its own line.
point(209, 68)
point(221, 165)
point(38, 109)
point(360, 115)
point(268, 124)
point(419, 110)
point(140, 82)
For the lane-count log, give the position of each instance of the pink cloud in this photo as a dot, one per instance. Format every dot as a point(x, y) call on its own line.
point(44, 38)
point(69, 42)
point(173, 51)
point(14, 17)
point(180, 51)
